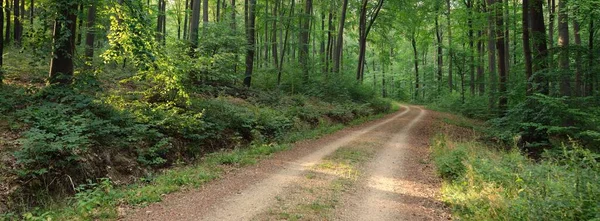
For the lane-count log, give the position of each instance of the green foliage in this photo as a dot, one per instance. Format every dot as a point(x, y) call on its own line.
point(497, 185)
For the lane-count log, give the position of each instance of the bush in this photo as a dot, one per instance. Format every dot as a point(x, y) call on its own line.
point(497, 185)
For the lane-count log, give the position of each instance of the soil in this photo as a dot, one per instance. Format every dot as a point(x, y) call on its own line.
point(397, 181)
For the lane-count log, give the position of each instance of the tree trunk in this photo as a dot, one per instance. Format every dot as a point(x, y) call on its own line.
point(339, 46)
point(61, 65)
point(471, 53)
point(563, 44)
point(578, 70)
point(304, 39)
point(251, 42)
point(8, 28)
point(364, 29)
point(194, 25)
point(205, 12)
point(274, 45)
point(416, 61)
point(17, 22)
point(440, 53)
point(551, 17)
point(1, 42)
point(540, 48)
point(285, 42)
point(185, 19)
point(592, 79)
point(450, 51)
point(501, 48)
point(491, 54)
point(527, 47)
point(90, 35)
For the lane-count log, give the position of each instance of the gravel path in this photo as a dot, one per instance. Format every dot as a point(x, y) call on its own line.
point(389, 189)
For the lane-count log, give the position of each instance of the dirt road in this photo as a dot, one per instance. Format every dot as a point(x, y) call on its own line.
point(375, 171)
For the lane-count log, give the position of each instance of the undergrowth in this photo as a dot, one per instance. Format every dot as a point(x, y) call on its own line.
point(482, 183)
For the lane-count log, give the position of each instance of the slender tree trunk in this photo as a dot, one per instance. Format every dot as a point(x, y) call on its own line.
point(31, 10)
point(337, 54)
point(185, 19)
point(194, 25)
point(251, 42)
point(481, 61)
point(329, 43)
point(527, 47)
point(578, 71)
point(205, 12)
point(471, 37)
point(551, 18)
point(17, 21)
point(364, 29)
point(501, 48)
point(285, 42)
point(592, 78)
point(61, 65)
point(416, 61)
point(491, 54)
point(540, 48)
point(440, 53)
point(304, 39)
point(563, 43)
point(8, 28)
point(274, 45)
point(1, 41)
point(218, 16)
point(90, 35)
point(450, 50)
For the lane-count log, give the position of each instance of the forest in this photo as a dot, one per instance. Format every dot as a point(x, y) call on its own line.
point(115, 103)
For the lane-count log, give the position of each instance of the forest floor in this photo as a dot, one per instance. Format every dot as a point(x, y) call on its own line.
point(380, 170)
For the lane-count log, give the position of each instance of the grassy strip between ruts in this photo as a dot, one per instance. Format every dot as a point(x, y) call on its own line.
point(482, 183)
point(103, 200)
point(318, 194)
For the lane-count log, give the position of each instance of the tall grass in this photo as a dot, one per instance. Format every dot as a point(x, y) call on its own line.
point(486, 184)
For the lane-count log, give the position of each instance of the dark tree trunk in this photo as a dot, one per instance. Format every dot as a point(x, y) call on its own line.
point(592, 83)
point(274, 46)
point(578, 71)
point(205, 12)
point(194, 24)
point(563, 44)
point(285, 42)
point(31, 11)
point(8, 23)
point(364, 29)
point(450, 50)
point(304, 39)
point(440, 53)
point(551, 17)
point(251, 42)
point(416, 61)
point(471, 36)
point(491, 54)
point(1, 42)
point(339, 46)
point(61, 65)
point(527, 47)
point(540, 48)
point(17, 22)
point(90, 35)
point(501, 48)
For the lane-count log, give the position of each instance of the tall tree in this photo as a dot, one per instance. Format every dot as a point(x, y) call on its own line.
point(205, 12)
point(304, 39)
point(339, 45)
point(17, 20)
point(540, 47)
point(578, 67)
point(440, 46)
point(563, 43)
point(527, 47)
point(194, 24)
point(1, 41)
point(8, 28)
point(501, 49)
point(364, 28)
point(251, 47)
point(61, 65)
point(450, 50)
point(91, 34)
point(491, 30)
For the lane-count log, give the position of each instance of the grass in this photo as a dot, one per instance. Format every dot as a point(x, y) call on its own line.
point(318, 197)
point(104, 200)
point(483, 183)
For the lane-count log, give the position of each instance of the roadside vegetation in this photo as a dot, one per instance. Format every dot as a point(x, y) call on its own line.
point(487, 181)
